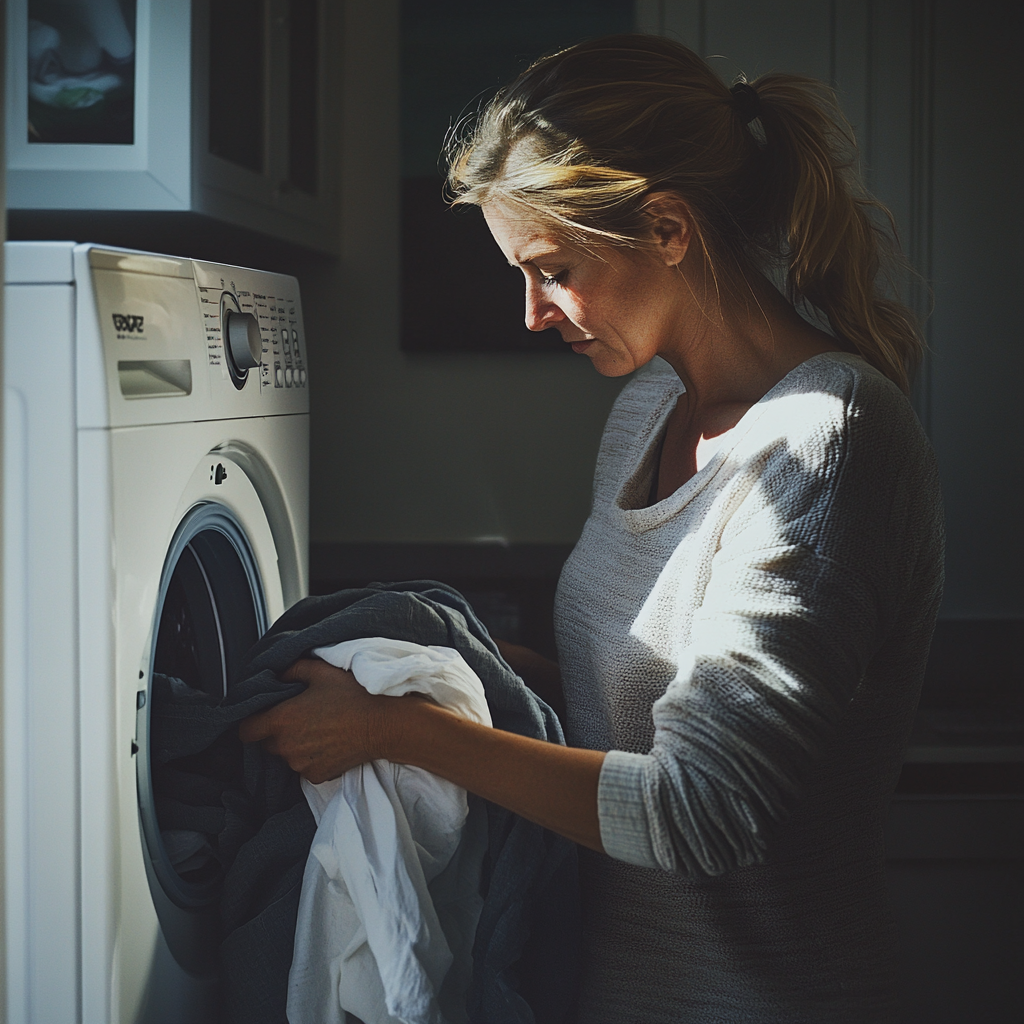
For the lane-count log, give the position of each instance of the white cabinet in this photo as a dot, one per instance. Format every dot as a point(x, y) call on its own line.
point(213, 107)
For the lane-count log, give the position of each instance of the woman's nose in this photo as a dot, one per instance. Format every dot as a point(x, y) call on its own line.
point(541, 312)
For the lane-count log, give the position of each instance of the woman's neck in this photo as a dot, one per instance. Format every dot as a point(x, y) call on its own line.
point(730, 355)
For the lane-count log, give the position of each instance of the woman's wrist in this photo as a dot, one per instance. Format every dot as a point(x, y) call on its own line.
point(552, 785)
point(403, 722)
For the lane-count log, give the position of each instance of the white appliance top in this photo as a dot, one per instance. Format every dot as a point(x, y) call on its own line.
point(161, 339)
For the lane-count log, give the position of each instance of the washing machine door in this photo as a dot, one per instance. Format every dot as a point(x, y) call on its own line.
point(211, 609)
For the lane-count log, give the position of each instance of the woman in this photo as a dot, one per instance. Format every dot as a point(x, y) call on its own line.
point(744, 623)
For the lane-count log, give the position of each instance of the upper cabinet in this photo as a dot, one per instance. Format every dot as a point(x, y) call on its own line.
point(210, 106)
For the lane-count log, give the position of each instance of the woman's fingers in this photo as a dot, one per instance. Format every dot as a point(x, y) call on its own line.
point(302, 671)
point(262, 725)
point(333, 725)
point(256, 728)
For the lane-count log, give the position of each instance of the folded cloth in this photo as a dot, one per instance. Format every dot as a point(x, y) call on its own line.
point(526, 945)
point(369, 938)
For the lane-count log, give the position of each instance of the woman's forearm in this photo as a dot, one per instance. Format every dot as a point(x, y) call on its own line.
point(552, 785)
point(334, 725)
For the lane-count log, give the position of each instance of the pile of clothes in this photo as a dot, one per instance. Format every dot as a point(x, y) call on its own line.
point(413, 902)
point(70, 45)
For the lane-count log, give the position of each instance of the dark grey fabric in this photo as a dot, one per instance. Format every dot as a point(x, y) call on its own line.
point(247, 808)
point(232, 812)
point(212, 795)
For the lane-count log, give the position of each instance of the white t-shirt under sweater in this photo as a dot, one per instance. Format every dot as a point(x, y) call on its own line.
point(751, 650)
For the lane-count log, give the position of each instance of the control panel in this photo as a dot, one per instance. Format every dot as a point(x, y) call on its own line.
point(253, 321)
point(186, 340)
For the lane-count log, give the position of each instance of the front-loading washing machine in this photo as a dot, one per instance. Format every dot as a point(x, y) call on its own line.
point(156, 471)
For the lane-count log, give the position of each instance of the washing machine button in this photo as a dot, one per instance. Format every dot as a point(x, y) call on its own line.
point(278, 377)
point(288, 377)
point(244, 340)
point(302, 377)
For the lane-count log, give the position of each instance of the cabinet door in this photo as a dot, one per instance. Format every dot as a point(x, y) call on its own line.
point(265, 156)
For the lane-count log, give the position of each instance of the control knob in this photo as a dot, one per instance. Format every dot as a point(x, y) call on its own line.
point(244, 340)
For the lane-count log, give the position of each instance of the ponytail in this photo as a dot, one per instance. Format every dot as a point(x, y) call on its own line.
point(766, 170)
point(837, 240)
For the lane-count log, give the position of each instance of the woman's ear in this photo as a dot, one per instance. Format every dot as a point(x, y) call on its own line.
point(671, 226)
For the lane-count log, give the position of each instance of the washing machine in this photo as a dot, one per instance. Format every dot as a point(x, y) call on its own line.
point(155, 520)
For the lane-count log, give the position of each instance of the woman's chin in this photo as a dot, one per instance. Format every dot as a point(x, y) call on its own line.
point(612, 367)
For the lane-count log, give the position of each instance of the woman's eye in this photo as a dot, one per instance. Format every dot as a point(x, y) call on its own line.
point(550, 279)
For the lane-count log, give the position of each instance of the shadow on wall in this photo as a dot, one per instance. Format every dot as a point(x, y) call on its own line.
point(455, 55)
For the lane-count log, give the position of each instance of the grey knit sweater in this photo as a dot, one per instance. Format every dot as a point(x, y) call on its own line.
point(751, 650)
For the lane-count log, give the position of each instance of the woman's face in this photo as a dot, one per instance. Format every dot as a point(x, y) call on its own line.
point(620, 307)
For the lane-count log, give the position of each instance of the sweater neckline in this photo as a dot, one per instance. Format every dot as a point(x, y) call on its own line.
point(637, 483)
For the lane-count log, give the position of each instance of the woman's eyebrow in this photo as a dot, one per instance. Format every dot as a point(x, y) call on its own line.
point(526, 261)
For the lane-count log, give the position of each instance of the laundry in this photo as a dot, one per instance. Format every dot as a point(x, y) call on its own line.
point(210, 791)
point(75, 36)
point(525, 948)
point(236, 814)
point(66, 59)
point(371, 937)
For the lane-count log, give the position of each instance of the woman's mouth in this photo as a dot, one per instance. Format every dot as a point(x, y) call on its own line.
point(582, 345)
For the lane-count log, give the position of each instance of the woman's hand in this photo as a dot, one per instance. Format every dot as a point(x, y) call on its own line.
point(336, 725)
point(332, 726)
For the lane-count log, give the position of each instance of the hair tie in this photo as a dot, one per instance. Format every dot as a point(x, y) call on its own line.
point(746, 101)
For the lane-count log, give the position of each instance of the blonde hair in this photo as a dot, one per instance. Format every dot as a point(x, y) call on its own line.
point(598, 128)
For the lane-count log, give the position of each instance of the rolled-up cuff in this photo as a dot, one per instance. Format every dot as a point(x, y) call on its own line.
point(625, 831)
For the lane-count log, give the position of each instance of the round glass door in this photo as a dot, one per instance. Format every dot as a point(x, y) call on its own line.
point(210, 610)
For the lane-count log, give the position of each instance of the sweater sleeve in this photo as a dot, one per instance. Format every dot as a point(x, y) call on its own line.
point(778, 647)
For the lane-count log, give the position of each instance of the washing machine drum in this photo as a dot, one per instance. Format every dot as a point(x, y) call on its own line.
point(211, 610)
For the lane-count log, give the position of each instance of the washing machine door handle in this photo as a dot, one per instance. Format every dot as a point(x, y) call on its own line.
point(244, 340)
